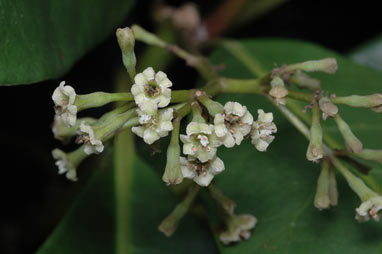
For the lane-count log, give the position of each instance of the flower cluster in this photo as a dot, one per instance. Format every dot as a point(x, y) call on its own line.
point(230, 128)
point(151, 91)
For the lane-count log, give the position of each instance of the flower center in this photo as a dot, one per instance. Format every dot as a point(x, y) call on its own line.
point(152, 89)
point(199, 168)
point(231, 121)
point(203, 140)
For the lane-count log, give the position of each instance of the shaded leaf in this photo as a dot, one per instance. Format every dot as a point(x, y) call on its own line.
point(42, 39)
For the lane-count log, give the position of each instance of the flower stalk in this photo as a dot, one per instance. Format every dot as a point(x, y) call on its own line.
point(315, 149)
point(353, 144)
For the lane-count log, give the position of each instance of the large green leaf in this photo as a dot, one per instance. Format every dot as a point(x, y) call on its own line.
point(42, 39)
point(279, 186)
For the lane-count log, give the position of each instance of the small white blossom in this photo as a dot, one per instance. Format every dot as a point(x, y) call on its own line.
point(151, 90)
point(92, 144)
point(238, 228)
point(65, 165)
point(370, 208)
point(201, 173)
point(64, 97)
point(200, 141)
point(234, 124)
point(262, 130)
point(154, 127)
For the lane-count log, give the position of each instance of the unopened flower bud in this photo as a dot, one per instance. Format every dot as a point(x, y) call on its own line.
point(170, 223)
point(373, 101)
point(67, 163)
point(228, 205)
point(173, 173)
point(212, 106)
point(304, 81)
point(327, 65)
point(333, 191)
point(238, 228)
point(315, 150)
point(370, 154)
point(126, 42)
point(322, 199)
point(327, 107)
point(278, 91)
point(353, 144)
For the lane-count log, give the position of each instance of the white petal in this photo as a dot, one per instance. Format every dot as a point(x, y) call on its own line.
point(184, 167)
point(138, 130)
point(221, 130)
point(219, 119)
point(137, 89)
point(166, 126)
point(238, 137)
point(216, 166)
point(140, 79)
point(150, 136)
point(149, 73)
point(247, 118)
point(185, 138)
point(204, 180)
point(261, 145)
point(228, 140)
point(188, 148)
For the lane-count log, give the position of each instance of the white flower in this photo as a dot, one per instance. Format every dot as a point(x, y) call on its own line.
point(238, 228)
point(234, 124)
point(262, 130)
point(64, 97)
point(65, 165)
point(151, 90)
point(92, 144)
point(155, 126)
point(201, 173)
point(200, 141)
point(370, 208)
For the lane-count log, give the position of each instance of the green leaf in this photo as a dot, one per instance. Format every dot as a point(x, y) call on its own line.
point(279, 186)
point(120, 211)
point(42, 39)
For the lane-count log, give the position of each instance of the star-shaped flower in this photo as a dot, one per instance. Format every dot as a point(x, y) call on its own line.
point(370, 208)
point(92, 143)
point(200, 141)
point(234, 124)
point(201, 173)
point(151, 90)
point(153, 127)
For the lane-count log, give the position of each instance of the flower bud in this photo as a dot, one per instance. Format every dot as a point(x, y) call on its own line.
point(327, 65)
point(322, 199)
point(126, 42)
point(170, 223)
point(353, 144)
point(373, 101)
point(327, 108)
point(228, 205)
point(370, 154)
point(278, 91)
point(212, 106)
point(304, 81)
point(315, 150)
point(173, 173)
point(333, 191)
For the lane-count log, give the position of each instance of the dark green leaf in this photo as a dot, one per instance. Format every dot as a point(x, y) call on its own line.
point(279, 186)
point(42, 39)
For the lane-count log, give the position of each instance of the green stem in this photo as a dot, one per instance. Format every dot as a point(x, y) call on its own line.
point(300, 96)
point(99, 99)
point(355, 183)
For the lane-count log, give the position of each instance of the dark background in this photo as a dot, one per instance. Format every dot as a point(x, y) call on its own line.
point(34, 197)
